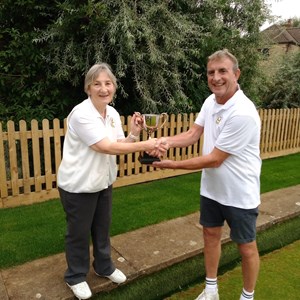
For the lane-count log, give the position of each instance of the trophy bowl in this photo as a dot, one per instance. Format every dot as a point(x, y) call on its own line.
point(151, 122)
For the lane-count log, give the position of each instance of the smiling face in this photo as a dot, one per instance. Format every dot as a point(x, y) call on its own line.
point(101, 90)
point(222, 78)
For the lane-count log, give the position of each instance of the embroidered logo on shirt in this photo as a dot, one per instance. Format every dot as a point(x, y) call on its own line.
point(112, 123)
point(218, 120)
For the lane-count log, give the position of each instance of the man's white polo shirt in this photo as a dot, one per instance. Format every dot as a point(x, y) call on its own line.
point(82, 169)
point(233, 128)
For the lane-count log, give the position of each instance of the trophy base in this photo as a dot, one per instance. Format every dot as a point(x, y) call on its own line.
point(147, 159)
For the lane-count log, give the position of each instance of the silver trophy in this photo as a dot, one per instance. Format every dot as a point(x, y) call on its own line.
point(152, 122)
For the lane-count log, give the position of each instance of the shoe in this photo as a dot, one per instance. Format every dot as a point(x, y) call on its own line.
point(117, 276)
point(81, 290)
point(208, 296)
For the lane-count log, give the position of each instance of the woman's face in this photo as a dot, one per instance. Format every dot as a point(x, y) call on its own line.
point(102, 89)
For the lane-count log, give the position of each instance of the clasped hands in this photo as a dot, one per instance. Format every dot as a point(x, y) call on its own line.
point(161, 147)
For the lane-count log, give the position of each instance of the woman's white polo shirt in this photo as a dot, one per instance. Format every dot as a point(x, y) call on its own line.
point(82, 169)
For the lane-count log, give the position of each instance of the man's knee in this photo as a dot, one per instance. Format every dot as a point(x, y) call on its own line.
point(212, 234)
point(248, 250)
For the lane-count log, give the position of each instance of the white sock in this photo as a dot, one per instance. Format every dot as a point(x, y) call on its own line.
point(246, 295)
point(211, 285)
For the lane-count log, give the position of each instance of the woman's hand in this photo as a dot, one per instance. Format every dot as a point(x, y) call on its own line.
point(136, 124)
point(161, 147)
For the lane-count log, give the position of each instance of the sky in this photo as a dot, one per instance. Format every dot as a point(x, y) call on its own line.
point(284, 9)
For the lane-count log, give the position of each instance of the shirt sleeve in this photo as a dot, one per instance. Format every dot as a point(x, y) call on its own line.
point(87, 128)
point(236, 134)
point(200, 120)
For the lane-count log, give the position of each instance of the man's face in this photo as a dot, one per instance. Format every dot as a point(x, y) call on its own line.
point(222, 79)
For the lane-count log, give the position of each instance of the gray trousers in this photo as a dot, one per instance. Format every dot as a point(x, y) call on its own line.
point(87, 214)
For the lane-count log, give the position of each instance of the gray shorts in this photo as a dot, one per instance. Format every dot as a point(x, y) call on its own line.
point(242, 222)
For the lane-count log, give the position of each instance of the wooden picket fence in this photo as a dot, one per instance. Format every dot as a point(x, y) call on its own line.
point(30, 157)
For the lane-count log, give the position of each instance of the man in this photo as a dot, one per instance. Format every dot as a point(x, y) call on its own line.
point(231, 164)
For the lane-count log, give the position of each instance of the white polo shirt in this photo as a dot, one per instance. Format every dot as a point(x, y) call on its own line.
point(233, 128)
point(82, 169)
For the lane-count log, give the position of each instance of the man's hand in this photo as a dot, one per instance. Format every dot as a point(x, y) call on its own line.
point(164, 164)
point(161, 148)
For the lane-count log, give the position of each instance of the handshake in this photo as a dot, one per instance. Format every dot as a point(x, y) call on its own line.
point(161, 146)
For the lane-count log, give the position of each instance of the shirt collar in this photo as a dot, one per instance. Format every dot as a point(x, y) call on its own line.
point(95, 111)
point(229, 103)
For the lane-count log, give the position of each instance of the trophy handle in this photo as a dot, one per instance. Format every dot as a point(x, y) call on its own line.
point(164, 117)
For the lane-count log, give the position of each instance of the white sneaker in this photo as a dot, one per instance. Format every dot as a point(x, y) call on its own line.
point(117, 276)
point(208, 296)
point(81, 290)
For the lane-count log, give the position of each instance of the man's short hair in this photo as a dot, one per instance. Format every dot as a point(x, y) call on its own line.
point(220, 54)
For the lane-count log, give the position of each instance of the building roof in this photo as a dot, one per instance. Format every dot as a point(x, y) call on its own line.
point(282, 35)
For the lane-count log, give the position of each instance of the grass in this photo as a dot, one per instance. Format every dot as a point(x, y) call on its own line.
point(182, 278)
point(31, 232)
point(280, 172)
point(278, 278)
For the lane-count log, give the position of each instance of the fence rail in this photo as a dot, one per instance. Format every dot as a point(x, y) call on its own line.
point(30, 157)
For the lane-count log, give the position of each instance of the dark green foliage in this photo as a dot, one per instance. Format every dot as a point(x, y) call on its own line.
point(284, 89)
point(233, 25)
point(157, 49)
point(25, 90)
point(149, 44)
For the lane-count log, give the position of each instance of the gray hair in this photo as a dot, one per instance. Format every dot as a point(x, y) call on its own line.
point(221, 54)
point(94, 72)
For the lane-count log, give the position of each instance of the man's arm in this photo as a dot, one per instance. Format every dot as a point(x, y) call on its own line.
point(181, 140)
point(185, 139)
point(211, 160)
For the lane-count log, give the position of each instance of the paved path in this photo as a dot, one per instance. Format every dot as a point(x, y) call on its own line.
point(137, 253)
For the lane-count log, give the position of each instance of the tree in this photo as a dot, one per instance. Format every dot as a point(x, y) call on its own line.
point(284, 89)
point(25, 90)
point(157, 49)
point(294, 22)
point(149, 44)
point(233, 25)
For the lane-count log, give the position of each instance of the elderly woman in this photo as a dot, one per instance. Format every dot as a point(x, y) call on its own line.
point(88, 169)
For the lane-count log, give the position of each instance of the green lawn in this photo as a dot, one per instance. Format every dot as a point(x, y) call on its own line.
point(278, 278)
point(186, 275)
point(35, 231)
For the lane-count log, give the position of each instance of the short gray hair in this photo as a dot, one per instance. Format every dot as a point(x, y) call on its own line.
point(224, 54)
point(94, 72)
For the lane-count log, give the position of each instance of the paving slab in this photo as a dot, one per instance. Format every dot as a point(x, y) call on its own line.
point(43, 279)
point(158, 246)
point(281, 204)
point(137, 253)
point(3, 293)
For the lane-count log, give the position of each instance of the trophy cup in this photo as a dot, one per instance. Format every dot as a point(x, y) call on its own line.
point(151, 124)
